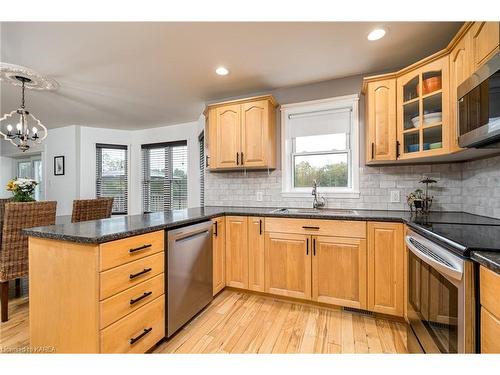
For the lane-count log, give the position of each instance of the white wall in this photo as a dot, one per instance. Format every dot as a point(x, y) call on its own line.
point(6, 171)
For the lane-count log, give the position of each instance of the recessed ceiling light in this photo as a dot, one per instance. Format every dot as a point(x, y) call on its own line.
point(222, 71)
point(377, 34)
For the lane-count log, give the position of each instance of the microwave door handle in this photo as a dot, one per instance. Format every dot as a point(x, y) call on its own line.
point(438, 266)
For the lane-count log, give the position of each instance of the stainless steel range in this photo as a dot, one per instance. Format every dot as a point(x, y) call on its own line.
point(440, 298)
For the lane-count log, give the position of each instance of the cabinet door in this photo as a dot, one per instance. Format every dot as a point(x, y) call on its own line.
point(490, 332)
point(485, 40)
point(381, 124)
point(219, 255)
point(237, 251)
point(256, 254)
point(385, 268)
point(460, 69)
point(228, 136)
point(339, 271)
point(255, 133)
point(288, 265)
point(423, 110)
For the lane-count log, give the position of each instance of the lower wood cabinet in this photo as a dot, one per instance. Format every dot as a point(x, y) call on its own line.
point(385, 268)
point(339, 271)
point(288, 265)
point(489, 285)
point(256, 254)
point(219, 254)
point(237, 251)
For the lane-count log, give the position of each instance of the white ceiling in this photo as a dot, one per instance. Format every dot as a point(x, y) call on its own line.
point(140, 75)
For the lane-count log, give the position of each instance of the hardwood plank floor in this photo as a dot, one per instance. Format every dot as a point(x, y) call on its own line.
point(239, 322)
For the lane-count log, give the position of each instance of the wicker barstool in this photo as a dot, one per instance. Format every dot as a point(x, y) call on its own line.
point(14, 246)
point(3, 202)
point(91, 209)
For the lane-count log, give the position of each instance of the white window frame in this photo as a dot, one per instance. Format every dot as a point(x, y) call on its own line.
point(347, 102)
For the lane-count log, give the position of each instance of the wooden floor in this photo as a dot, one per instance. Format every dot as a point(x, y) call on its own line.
point(239, 322)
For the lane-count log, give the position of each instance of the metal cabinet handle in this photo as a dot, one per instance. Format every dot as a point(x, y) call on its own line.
point(312, 228)
point(206, 161)
point(260, 227)
point(144, 333)
point(134, 275)
point(135, 300)
point(216, 229)
point(307, 246)
point(314, 246)
point(397, 149)
point(242, 158)
point(133, 250)
point(373, 150)
point(237, 158)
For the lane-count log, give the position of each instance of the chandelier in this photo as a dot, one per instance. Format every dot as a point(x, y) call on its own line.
point(20, 127)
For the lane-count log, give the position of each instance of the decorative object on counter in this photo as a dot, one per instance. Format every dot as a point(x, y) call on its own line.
point(22, 189)
point(319, 201)
point(419, 201)
point(58, 165)
point(27, 129)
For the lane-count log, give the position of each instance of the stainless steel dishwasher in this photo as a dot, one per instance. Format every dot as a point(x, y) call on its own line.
point(189, 273)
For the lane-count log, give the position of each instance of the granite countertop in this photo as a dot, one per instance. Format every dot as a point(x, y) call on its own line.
point(488, 259)
point(100, 231)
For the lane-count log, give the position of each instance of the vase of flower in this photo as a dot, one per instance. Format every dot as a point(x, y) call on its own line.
point(22, 189)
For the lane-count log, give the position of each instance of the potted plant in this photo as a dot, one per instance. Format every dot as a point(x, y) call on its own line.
point(415, 199)
point(22, 189)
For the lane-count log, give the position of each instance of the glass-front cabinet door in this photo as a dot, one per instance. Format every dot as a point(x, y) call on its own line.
point(423, 111)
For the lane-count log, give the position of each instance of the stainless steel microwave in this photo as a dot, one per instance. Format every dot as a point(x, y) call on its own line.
point(479, 107)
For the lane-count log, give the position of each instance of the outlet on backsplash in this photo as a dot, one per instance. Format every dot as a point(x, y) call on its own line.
point(259, 196)
point(395, 196)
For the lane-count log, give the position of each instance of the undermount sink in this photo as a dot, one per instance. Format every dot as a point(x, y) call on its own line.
point(315, 211)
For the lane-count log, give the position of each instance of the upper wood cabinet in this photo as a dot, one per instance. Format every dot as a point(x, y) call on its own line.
point(418, 121)
point(219, 254)
point(385, 268)
point(256, 254)
point(381, 120)
point(242, 134)
point(339, 271)
point(485, 40)
point(237, 251)
point(288, 265)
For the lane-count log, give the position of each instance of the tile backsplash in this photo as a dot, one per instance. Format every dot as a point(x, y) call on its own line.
point(472, 187)
point(376, 183)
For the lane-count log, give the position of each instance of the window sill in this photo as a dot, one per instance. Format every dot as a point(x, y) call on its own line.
point(341, 194)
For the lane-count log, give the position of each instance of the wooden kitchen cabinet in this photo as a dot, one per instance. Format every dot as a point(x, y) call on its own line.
point(242, 134)
point(339, 271)
point(386, 268)
point(237, 251)
point(256, 254)
point(288, 264)
point(485, 40)
point(381, 120)
point(219, 254)
point(489, 285)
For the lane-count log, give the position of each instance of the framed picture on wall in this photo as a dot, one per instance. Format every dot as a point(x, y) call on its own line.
point(58, 165)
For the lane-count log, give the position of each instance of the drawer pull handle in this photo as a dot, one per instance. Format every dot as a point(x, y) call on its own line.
point(135, 300)
point(139, 248)
point(145, 270)
point(307, 227)
point(133, 340)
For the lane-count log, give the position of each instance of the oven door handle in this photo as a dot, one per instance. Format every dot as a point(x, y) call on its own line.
point(444, 269)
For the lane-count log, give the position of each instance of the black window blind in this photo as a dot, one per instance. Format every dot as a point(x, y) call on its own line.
point(112, 175)
point(164, 171)
point(201, 141)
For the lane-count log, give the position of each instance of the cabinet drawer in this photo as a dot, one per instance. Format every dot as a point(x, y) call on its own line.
point(490, 332)
point(138, 331)
point(340, 228)
point(121, 304)
point(120, 278)
point(119, 252)
point(490, 290)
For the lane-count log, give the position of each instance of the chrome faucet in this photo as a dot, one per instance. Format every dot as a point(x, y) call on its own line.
point(318, 202)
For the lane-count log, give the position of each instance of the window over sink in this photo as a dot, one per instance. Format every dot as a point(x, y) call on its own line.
point(320, 141)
